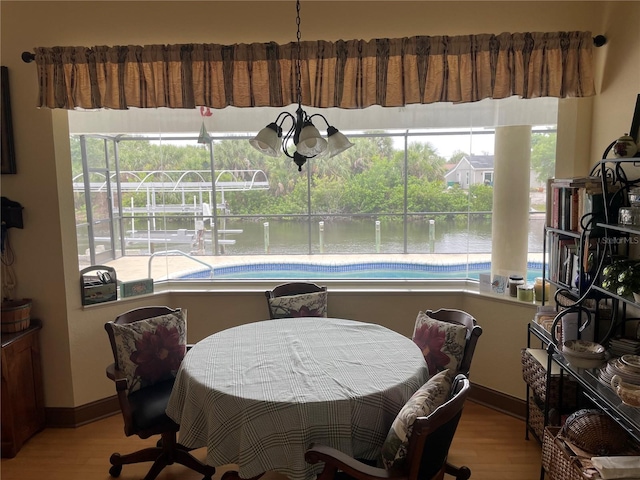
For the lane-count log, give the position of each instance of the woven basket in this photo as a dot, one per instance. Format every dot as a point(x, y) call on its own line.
point(16, 315)
point(595, 432)
point(535, 374)
point(536, 418)
point(564, 465)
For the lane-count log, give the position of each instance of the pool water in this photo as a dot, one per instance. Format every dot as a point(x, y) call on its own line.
point(370, 271)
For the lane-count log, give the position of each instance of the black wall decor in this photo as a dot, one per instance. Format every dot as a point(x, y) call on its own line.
point(8, 156)
point(635, 123)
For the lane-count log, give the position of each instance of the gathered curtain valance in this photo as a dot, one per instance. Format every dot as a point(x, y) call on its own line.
point(344, 74)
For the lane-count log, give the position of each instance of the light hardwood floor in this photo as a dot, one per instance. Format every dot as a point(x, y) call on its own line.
point(492, 444)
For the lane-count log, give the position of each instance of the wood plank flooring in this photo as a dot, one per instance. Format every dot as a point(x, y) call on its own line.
point(492, 444)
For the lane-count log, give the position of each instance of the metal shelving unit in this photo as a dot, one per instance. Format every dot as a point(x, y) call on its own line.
point(600, 395)
point(612, 239)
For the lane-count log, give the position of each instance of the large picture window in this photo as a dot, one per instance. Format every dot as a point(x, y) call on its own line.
point(411, 200)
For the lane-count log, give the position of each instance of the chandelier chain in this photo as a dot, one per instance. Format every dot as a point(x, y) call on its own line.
point(298, 53)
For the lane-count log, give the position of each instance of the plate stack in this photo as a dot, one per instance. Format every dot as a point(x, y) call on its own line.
point(623, 346)
point(627, 367)
point(583, 354)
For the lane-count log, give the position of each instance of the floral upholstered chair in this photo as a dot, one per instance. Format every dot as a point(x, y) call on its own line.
point(418, 442)
point(297, 299)
point(148, 345)
point(447, 338)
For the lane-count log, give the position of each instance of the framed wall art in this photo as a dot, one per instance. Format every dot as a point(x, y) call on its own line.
point(8, 158)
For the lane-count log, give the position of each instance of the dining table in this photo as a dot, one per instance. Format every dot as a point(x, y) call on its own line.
point(258, 394)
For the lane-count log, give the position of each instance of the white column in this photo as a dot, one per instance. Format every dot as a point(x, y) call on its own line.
point(511, 196)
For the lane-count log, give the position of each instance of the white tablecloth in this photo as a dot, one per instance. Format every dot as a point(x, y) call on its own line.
point(257, 395)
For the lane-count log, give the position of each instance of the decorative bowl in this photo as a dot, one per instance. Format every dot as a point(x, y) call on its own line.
point(582, 362)
point(584, 349)
point(628, 393)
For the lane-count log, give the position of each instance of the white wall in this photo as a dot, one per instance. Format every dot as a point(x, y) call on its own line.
point(74, 345)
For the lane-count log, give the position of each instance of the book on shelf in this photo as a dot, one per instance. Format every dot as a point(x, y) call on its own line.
point(564, 262)
point(569, 200)
point(590, 182)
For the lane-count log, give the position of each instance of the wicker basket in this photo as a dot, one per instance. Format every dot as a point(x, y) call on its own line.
point(596, 433)
point(535, 374)
point(536, 418)
point(16, 315)
point(558, 460)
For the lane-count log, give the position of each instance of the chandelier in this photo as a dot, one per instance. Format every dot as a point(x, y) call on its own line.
point(305, 136)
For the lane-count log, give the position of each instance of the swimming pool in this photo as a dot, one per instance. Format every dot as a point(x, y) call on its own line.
point(364, 270)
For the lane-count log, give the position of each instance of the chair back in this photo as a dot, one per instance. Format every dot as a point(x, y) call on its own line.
point(131, 316)
point(432, 435)
point(474, 331)
point(143, 410)
point(290, 289)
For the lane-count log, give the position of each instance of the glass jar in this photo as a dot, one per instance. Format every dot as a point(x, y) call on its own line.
point(525, 293)
point(514, 281)
point(537, 290)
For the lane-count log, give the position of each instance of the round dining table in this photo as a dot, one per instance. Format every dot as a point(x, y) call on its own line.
point(257, 395)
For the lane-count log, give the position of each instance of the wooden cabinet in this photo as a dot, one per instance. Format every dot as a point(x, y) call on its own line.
point(22, 391)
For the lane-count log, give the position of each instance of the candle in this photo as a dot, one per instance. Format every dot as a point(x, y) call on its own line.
point(537, 288)
point(525, 293)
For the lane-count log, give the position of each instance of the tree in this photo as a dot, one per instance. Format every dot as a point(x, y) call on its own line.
point(543, 155)
point(423, 161)
point(456, 156)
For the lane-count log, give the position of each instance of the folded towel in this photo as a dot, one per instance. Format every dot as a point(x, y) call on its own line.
point(617, 467)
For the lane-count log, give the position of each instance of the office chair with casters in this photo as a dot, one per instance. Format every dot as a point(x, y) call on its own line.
point(428, 446)
point(144, 381)
point(297, 299)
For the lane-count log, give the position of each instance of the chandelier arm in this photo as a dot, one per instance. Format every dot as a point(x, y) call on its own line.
point(321, 116)
point(288, 137)
point(280, 119)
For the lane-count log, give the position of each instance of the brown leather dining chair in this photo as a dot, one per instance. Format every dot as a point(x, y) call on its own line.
point(297, 299)
point(428, 447)
point(143, 410)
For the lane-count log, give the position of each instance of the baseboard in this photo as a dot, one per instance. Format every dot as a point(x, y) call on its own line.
point(498, 401)
point(76, 416)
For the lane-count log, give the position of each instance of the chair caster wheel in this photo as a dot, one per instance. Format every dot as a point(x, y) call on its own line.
point(115, 471)
point(207, 477)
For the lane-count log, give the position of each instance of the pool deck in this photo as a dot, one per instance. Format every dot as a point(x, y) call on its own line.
point(137, 267)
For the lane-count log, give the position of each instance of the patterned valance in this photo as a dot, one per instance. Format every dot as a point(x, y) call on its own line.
point(344, 74)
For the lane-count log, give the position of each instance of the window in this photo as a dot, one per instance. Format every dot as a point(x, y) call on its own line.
point(148, 195)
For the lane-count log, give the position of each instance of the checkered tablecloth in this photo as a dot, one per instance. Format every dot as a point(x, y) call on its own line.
point(257, 395)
